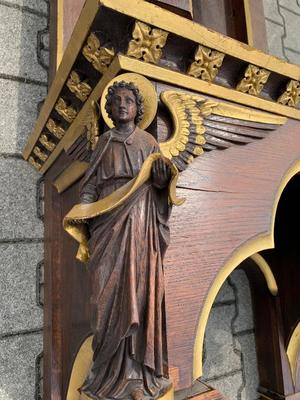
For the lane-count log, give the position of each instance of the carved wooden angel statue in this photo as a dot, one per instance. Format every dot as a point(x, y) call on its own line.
point(126, 196)
point(122, 226)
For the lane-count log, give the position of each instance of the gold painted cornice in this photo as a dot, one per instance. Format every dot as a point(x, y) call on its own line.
point(201, 86)
point(165, 23)
point(70, 175)
point(164, 19)
point(123, 63)
point(293, 351)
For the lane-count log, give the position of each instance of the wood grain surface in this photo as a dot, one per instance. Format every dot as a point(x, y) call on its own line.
point(230, 197)
point(229, 200)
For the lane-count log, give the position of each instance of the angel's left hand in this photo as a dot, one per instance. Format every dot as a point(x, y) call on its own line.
point(161, 173)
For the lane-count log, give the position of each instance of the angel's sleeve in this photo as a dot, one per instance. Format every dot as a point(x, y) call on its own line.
point(88, 193)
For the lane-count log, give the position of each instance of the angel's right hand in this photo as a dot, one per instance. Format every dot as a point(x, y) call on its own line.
point(161, 174)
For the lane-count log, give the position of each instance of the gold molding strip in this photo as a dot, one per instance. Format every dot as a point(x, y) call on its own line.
point(59, 32)
point(70, 175)
point(267, 272)
point(239, 112)
point(293, 351)
point(164, 19)
point(244, 252)
point(78, 38)
point(252, 247)
point(73, 133)
point(191, 7)
point(198, 85)
point(248, 18)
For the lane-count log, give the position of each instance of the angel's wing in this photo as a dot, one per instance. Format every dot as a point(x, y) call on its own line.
point(204, 125)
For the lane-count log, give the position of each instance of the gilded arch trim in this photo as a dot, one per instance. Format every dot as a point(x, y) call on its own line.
point(293, 351)
point(249, 249)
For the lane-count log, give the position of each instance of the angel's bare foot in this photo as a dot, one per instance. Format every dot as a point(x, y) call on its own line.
point(137, 394)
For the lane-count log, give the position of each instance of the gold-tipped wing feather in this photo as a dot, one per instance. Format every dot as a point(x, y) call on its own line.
point(203, 125)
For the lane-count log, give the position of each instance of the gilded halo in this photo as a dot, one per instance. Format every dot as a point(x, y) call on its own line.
point(147, 91)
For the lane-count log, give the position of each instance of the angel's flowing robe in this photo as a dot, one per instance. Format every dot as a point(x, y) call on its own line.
point(126, 246)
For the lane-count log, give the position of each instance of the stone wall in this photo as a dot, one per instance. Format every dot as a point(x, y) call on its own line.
point(282, 23)
point(23, 86)
point(230, 362)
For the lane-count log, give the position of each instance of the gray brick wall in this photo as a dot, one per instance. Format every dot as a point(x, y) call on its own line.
point(230, 363)
point(283, 22)
point(23, 86)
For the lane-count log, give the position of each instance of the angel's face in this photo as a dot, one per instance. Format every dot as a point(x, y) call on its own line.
point(123, 107)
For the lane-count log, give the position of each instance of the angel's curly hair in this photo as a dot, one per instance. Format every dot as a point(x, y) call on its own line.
point(138, 98)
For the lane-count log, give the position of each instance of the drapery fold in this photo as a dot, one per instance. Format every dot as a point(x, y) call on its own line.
point(123, 237)
point(75, 221)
